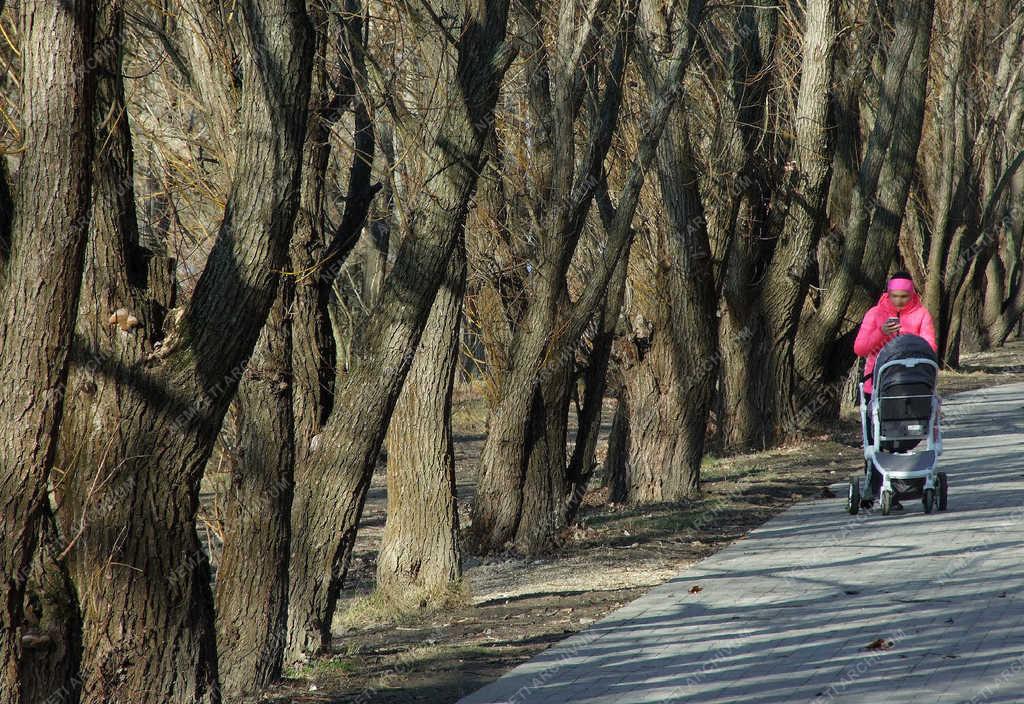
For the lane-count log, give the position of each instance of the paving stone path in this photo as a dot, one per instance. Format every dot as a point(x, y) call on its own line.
point(789, 614)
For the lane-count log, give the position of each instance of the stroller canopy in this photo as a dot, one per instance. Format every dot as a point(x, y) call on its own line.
point(905, 347)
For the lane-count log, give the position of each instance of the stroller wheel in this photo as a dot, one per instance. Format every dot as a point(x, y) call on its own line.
point(928, 500)
point(886, 503)
point(853, 499)
point(943, 491)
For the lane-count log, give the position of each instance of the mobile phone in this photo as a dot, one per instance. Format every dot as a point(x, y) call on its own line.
point(892, 320)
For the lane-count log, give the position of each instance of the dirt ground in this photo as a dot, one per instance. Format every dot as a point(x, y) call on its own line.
point(514, 608)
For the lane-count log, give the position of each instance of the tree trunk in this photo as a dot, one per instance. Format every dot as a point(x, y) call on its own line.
point(545, 482)
point(742, 401)
point(1009, 316)
point(582, 463)
point(338, 475)
point(522, 485)
point(742, 239)
point(419, 557)
point(795, 254)
point(145, 407)
point(950, 132)
point(880, 198)
point(252, 595)
point(968, 312)
point(53, 635)
point(993, 297)
point(1013, 308)
point(283, 401)
point(526, 424)
point(659, 453)
point(616, 464)
point(523, 481)
point(40, 279)
point(692, 321)
point(312, 347)
point(669, 371)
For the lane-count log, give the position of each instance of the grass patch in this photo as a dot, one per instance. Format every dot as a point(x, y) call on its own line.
point(332, 669)
point(397, 607)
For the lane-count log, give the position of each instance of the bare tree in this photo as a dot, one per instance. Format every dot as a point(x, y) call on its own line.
point(669, 359)
point(523, 469)
point(285, 391)
point(252, 594)
point(523, 487)
point(741, 218)
point(443, 125)
point(879, 199)
point(787, 278)
point(146, 402)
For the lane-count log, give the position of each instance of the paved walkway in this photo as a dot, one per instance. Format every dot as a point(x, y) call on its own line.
point(787, 614)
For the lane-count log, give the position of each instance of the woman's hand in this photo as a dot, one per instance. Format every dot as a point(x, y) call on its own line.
point(891, 327)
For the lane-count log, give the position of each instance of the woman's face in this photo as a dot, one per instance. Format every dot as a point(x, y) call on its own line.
point(899, 298)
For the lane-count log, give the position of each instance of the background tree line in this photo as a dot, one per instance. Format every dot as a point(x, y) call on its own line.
point(270, 234)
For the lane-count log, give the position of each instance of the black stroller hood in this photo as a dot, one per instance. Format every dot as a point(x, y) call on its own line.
point(905, 347)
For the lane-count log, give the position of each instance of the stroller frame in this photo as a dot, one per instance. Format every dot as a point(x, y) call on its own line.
point(912, 465)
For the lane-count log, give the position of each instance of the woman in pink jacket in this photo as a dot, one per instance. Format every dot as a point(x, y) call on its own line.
point(899, 312)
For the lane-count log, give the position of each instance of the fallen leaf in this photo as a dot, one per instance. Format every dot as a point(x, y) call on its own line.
point(696, 588)
point(880, 644)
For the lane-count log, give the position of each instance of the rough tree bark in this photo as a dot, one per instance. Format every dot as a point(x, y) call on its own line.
point(419, 557)
point(966, 165)
point(523, 455)
point(41, 266)
point(338, 475)
point(252, 576)
point(582, 463)
point(1001, 325)
point(879, 201)
point(670, 373)
point(145, 405)
point(281, 404)
point(616, 463)
point(793, 261)
point(670, 384)
point(741, 239)
point(949, 140)
point(52, 639)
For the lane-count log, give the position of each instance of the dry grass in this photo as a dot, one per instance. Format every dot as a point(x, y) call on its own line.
point(394, 607)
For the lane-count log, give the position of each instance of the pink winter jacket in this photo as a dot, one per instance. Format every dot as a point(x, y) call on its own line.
point(914, 319)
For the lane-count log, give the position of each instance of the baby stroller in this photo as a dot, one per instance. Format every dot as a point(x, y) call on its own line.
point(903, 411)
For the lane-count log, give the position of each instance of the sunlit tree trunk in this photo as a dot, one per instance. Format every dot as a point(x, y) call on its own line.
point(331, 483)
point(420, 558)
point(41, 262)
point(146, 400)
